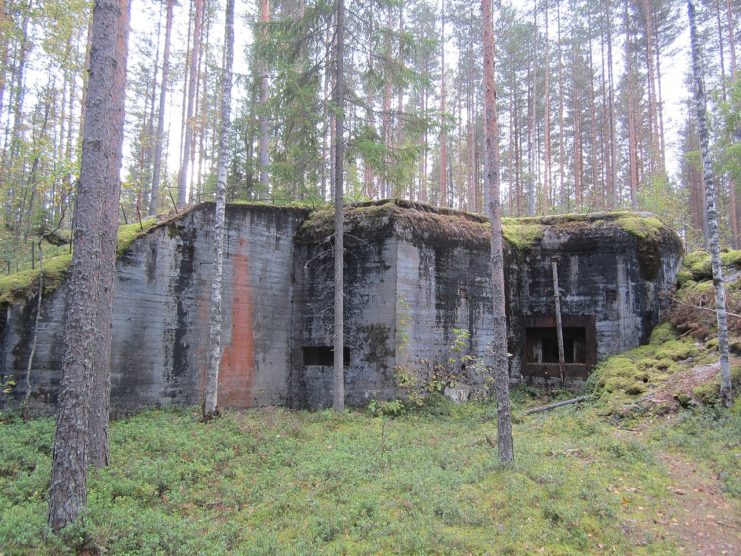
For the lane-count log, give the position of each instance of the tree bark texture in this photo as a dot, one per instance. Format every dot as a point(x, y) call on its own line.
point(264, 128)
point(499, 343)
point(85, 365)
point(157, 155)
point(189, 119)
point(338, 399)
point(443, 199)
point(726, 391)
point(214, 359)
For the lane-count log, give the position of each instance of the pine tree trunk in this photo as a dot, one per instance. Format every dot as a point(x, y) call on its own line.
point(214, 360)
point(632, 124)
point(189, 119)
point(731, 38)
point(499, 343)
point(655, 158)
point(545, 203)
point(157, 155)
point(84, 392)
point(726, 390)
point(561, 128)
point(338, 394)
point(611, 112)
point(264, 157)
point(443, 198)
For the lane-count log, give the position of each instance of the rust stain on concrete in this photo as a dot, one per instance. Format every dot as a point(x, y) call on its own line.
point(237, 372)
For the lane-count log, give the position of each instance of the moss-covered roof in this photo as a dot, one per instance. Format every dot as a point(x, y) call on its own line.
point(21, 286)
point(419, 221)
point(446, 226)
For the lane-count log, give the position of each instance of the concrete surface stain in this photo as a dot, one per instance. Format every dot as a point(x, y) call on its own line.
point(237, 371)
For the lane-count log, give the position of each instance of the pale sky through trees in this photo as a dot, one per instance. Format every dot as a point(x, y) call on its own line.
point(144, 19)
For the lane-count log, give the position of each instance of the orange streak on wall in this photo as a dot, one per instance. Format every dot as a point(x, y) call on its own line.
point(237, 371)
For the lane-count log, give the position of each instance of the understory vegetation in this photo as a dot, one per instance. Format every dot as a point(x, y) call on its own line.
point(270, 481)
point(405, 478)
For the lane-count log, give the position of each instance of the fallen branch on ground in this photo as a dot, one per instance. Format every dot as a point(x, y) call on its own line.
point(555, 405)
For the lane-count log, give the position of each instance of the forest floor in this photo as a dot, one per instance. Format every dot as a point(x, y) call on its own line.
point(273, 481)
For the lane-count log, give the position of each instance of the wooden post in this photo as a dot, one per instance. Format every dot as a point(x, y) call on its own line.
point(559, 328)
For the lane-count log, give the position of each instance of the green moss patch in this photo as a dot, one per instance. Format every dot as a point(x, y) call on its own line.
point(446, 226)
point(520, 235)
point(696, 265)
point(623, 378)
point(644, 227)
point(21, 286)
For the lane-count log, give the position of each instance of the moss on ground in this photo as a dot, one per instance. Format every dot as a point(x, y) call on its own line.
point(21, 286)
point(696, 265)
point(622, 379)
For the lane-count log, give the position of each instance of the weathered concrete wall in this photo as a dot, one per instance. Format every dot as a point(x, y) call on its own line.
point(607, 286)
point(370, 305)
point(412, 275)
point(441, 288)
point(161, 311)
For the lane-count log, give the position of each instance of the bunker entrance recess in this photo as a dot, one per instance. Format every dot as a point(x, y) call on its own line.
point(541, 346)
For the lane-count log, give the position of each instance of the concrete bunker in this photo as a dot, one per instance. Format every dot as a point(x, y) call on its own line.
point(415, 276)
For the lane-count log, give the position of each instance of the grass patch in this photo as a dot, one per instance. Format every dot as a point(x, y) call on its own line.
point(21, 286)
point(276, 481)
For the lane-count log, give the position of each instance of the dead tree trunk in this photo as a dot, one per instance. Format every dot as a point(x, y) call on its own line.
point(27, 395)
point(80, 438)
point(726, 391)
point(559, 327)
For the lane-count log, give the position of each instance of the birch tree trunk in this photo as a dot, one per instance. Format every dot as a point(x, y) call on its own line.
point(214, 359)
point(499, 344)
point(726, 391)
point(85, 365)
point(338, 399)
point(157, 155)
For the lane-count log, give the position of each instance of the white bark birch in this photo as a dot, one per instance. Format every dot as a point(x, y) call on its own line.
point(214, 359)
point(726, 391)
